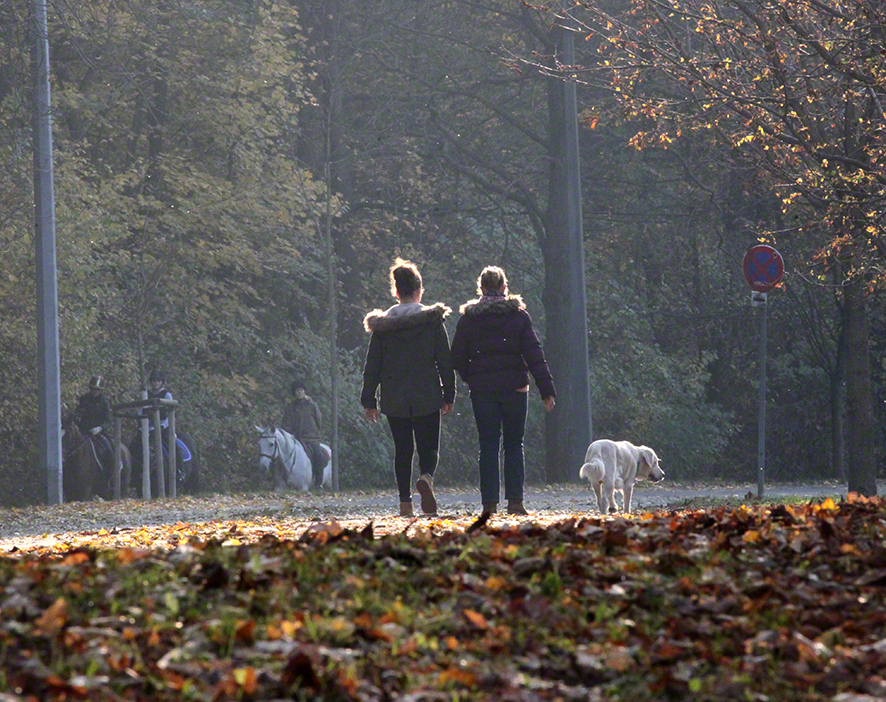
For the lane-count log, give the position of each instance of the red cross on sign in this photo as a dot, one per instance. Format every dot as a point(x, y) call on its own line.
point(763, 267)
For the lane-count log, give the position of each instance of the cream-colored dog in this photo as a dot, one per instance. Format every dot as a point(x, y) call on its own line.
point(615, 465)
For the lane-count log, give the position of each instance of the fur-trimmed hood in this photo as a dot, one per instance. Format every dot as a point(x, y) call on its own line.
point(501, 305)
point(404, 316)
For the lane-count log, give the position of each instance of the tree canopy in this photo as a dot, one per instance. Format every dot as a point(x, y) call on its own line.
point(233, 181)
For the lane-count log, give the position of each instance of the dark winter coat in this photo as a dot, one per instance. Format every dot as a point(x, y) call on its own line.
point(301, 418)
point(495, 347)
point(408, 359)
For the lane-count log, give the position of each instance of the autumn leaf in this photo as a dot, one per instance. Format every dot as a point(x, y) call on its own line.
point(247, 679)
point(476, 619)
point(54, 617)
point(458, 676)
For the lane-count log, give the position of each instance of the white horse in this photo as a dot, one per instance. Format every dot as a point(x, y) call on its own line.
point(285, 459)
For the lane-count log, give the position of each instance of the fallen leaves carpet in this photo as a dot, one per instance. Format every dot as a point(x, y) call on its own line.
point(732, 603)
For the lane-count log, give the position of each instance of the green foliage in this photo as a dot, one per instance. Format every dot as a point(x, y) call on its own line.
point(202, 152)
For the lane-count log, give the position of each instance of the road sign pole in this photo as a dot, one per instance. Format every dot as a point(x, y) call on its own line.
point(761, 417)
point(763, 269)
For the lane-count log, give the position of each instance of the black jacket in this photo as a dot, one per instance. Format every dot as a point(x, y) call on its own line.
point(92, 411)
point(495, 347)
point(408, 358)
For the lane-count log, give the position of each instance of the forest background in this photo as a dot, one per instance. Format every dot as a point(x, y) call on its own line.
point(234, 178)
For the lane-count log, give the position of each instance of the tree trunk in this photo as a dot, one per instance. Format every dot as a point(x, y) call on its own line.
point(861, 472)
point(568, 426)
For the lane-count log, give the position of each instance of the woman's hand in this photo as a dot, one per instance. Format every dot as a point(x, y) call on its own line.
point(371, 414)
point(447, 408)
point(549, 403)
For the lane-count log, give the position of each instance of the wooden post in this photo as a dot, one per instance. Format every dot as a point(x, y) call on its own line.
point(173, 445)
point(158, 453)
point(146, 460)
point(148, 411)
point(115, 469)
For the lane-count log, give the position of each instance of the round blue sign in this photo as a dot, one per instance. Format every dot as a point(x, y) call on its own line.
point(763, 267)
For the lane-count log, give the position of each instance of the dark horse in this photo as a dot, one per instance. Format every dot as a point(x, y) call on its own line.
point(83, 475)
point(187, 464)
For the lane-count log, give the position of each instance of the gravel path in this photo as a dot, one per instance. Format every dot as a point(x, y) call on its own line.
point(41, 527)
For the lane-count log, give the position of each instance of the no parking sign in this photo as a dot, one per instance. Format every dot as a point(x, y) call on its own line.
point(763, 267)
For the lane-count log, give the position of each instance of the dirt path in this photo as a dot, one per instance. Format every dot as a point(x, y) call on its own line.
point(110, 524)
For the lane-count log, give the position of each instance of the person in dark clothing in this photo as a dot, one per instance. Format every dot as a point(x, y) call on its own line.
point(93, 418)
point(494, 350)
point(408, 364)
point(302, 419)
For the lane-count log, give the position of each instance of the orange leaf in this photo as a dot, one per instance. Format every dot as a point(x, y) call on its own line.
point(246, 679)
point(495, 582)
point(128, 555)
point(407, 648)
point(475, 618)
point(245, 631)
point(75, 558)
point(290, 627)
point(458, 676)
point(332, 528)
point(619, 659)
point(54, 617)
point(364, 621)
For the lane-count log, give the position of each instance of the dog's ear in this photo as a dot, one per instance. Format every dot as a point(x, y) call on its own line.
point(647, 455)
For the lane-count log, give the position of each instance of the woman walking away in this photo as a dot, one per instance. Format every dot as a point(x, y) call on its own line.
point(494, 350)
point(409, 361)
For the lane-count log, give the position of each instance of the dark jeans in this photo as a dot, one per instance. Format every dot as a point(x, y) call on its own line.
point(318, 460)
point(410, 433)
point(501, 418)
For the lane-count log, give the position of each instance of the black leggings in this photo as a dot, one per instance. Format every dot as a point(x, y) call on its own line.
point(410, 433)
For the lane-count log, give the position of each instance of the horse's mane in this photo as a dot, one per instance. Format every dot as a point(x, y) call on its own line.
point(69, 425)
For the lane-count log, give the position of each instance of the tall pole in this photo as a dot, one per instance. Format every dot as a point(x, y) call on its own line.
point(761, 416)
point(577, 289)
point(48, 374)
point(568, 427)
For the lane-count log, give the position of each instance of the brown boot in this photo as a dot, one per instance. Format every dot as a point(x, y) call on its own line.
point(490, 507)
point(425, 487)
point(406, 509)
point(516, 507)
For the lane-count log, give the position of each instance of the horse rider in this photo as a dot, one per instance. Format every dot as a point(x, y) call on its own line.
point(302, 419)
point(93, 418)
point(157, 391)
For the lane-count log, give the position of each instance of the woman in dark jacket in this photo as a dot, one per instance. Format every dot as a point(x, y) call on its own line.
point(409, 360)
point(494, 350)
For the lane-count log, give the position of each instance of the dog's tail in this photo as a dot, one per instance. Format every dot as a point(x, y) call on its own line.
point(593, 471)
